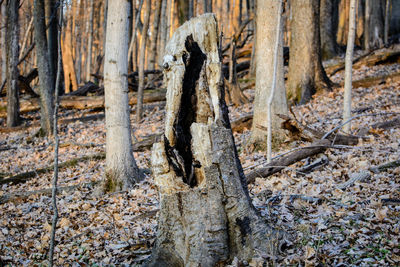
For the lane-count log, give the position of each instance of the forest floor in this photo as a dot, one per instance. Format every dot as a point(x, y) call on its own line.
point(330, 224)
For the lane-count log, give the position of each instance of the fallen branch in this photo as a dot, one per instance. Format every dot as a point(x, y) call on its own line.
point(81, 102)
point(381, 125)
point(23, 177)
point(371, 58)
point(314, 165)
point(354, 177)
point(46, 192)
point(385, 166)
point(302, 153)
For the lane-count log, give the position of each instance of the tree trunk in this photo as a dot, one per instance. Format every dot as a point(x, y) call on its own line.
point(121, 169)
point(146, 19)
point(329, 48)
point(90, 41)
point(306, 74)
point(374, 24)
point(206, 215)
point(266, 38)
point(154, 35)
point(348, 68)
point(3, 40)
point(70, 81)
point(46, 83)
point(387, 18)
point(234, 93)
point(51, 15)
point(163, 31)
point(12, 48)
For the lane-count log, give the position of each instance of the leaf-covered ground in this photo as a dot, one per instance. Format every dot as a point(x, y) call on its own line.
point(355, 225)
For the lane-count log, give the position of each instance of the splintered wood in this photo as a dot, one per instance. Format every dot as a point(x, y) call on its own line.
point(206, 217)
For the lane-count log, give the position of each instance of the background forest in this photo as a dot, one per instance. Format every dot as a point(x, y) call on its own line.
point(85, 93)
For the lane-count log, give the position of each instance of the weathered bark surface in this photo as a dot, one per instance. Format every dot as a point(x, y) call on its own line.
point(45, 79)
point(374, 24)
point(121, 169)
point(206, 216)
point(12, 49)
point(306, 74)
point(348, 68)
point(146, 19)
point(265, 50)
point(70, 81)
point(3, 32)
point(328, 11)
point(51, 16)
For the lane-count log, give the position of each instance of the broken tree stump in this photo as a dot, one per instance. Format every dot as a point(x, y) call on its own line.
point(206, 216)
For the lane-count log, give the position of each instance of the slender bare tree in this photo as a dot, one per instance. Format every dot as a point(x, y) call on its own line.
point(90, 40)
point(146, 19)
point(121, 169)
point(348, 65)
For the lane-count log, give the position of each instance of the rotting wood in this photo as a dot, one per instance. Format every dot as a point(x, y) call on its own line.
point(380, 56)
point(395, 123)
point(80, 102)
point(46, 192)
point(299, 131)
point(385, 166)
point(206, 217)
point(355, 177)
point(23, 177)
point(281, 163)
point(143, 145)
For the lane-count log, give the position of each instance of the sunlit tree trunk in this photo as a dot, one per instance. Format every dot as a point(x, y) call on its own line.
point(146, 19)
point(306, 74)
point(121, 169)
point(267, 11)
point(154, 35)
point(46, 83)
point(163, 30)
point(12, 49)
point(70, 80)
point(90, 41)
point(348, 65)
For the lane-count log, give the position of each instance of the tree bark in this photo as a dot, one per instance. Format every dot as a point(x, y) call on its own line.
point(348, 68)
point(146, 19)
point(46, 83)
point(206, 216)
point(374, 24)
point(121, 169)
point(51, 15)
point(266, 37)
point(12, 48)
point(3, 40)
point(163, 31)
point(70, 81)
point(329, 47)
point(90, 41)
point(154, 34)
point(306, 73)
